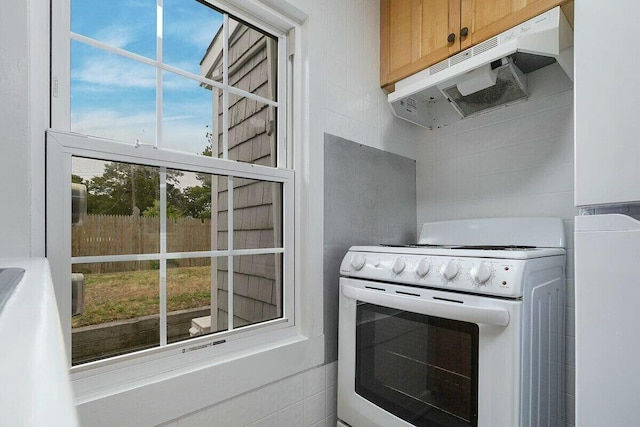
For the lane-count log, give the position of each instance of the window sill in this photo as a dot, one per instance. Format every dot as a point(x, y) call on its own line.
point(172, 394)
point(35, 384)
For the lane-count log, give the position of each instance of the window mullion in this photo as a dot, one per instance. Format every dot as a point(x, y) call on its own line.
point(159, 54)
point(163, 256)
point(282, 116)
point(225, 155)
point(230, 268)
point(225, 92)
point(213, 313)
point(163, 180)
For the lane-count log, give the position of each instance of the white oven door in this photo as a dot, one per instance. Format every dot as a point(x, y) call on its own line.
point(420, 357)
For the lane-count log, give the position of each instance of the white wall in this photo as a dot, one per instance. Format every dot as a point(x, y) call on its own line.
point(15, 175)
point(307, 399)
point(512, 162)
point(24, 110)
point(347, 34)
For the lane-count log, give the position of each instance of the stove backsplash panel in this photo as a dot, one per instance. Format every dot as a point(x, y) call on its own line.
point(369, 198)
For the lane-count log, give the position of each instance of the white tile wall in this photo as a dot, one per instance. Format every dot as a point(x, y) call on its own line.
point(513, 162)
point(345, 35)
point(307, 399)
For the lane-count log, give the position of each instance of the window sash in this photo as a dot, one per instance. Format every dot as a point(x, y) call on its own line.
point(61, 147)
point(61, 74)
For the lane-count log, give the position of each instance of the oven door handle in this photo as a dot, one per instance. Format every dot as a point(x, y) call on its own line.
point(437, 308)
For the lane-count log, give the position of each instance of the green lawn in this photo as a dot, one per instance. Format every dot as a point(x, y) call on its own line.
point(118, 296)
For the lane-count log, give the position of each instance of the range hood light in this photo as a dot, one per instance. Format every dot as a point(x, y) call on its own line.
point(509, 86)
point(476, 80)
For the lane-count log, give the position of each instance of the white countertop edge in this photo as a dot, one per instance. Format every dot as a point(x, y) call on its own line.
point(36, 388)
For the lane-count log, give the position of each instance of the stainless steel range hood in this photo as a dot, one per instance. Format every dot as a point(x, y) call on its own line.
point(489, 75)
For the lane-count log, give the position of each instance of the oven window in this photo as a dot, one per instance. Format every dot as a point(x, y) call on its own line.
point(420, 368)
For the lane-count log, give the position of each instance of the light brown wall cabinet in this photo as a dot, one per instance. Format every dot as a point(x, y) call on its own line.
point(415, 34)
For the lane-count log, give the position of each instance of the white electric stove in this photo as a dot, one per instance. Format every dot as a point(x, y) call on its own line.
point(464, 328)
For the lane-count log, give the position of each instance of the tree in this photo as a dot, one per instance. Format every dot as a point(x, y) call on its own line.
point(154, 211)
point(198, 198)
point(123, 186)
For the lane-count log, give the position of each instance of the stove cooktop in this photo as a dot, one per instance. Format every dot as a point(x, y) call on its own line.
point(470, 247)
point(463, 251)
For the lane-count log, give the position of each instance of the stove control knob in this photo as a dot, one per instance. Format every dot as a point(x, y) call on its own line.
point(358, 261)
point(480, 273)
point(449, 270)
point(398, 265)
point(423, 267)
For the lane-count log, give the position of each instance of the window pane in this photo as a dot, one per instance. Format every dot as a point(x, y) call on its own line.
point(126, 24)
point(187, 111)
point(121, 199)
point(192, 38)
point(121, 309)
point(252, 131)
point(257, 214)
point(253, 60)
point(223, 213)
point(257, 288)
point(222, 271)
point(112, 96)
point(189, 204)
point(189, 297)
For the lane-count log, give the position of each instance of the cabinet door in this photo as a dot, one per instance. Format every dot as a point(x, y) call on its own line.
point(487, 18)
point(414, 34)
point(607, 147)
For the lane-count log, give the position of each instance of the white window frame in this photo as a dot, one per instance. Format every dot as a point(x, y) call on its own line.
point(62, 145)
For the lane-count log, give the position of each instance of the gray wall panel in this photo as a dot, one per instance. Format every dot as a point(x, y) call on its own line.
point(369, 198)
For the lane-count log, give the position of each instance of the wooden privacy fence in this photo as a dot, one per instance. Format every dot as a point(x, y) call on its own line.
point(134, 234)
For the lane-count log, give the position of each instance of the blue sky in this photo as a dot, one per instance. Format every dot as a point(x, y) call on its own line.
point(115, 97)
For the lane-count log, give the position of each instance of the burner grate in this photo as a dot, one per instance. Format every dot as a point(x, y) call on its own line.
point(476, 247)
point(415, 245)
point(496, 247)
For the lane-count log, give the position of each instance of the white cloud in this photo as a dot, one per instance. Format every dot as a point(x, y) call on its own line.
point(101, 73)
point(116, 35)
point(117, 126)
point(193, 27)
point(184, 135)
point(180, 132)
point(114, 71)
point(87, 168)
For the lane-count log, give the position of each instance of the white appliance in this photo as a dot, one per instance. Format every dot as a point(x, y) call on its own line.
point(607, 337)
point(462, 329)
point(489, 75)
point(607, 237)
